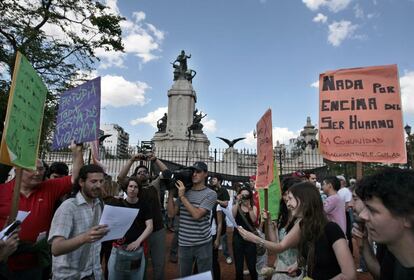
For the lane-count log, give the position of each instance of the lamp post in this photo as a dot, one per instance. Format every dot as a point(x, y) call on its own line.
point(410, 144)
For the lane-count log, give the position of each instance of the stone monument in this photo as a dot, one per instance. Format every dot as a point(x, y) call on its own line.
point(181, 129)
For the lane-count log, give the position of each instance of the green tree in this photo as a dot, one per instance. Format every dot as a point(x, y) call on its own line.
point(60, 39)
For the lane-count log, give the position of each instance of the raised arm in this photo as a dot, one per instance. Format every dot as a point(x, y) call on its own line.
point(125, 169)
point(77, 157)
point(291, 239)
point(195, 212)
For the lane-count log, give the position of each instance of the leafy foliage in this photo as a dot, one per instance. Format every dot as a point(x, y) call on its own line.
point(60, 38)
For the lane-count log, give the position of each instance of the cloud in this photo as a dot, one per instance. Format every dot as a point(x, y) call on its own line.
point(209, 125)
point(151, 118)
point(407, 92)
point(332, 5)
point(281, 134)
point(315, 84)
point(140, 38)
point(359, 13)
point(118, 92)
point(339, 31)
point(320, 18)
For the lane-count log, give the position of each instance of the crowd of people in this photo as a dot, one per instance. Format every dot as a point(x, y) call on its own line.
point(317, 226)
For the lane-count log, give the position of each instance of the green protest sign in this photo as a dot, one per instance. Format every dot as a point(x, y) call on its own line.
point(275, 194)
point(20, 139)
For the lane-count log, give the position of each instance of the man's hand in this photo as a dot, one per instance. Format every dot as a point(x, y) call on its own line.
point(7, 247)
point(180, 187)
point(137, 157)
point(95, 233)
point(133, 246)
point(217, 242)
point(75, 148)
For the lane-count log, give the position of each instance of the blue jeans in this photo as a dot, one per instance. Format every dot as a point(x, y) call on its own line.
point(124, 265)
point(224, 245)
point(201, 254)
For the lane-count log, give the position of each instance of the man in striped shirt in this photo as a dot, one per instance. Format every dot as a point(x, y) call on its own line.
point(194, 236)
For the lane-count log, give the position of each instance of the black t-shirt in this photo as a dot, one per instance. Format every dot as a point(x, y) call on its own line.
point(326, 266)
point(138, 226)
point(151, 197)
point(391, 269)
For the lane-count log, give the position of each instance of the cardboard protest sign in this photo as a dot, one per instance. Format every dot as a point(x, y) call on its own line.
point(264, 151)
point(20, 139)
point(360, 117)
point(275, 194)
point(79, 114)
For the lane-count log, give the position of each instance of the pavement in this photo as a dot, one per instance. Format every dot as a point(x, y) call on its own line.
point(227, 270)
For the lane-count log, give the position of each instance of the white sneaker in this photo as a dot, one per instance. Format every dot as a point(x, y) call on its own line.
point(220, 247)
point(246, 272)
point(229, 260)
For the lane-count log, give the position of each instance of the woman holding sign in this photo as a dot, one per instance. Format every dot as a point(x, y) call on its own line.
point(323, 252)
point(127, 260)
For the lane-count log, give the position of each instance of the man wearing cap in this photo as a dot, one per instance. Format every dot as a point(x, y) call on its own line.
point(194, 236)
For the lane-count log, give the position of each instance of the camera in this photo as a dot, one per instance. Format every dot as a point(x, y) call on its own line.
point(185, 175)
point(245, 197)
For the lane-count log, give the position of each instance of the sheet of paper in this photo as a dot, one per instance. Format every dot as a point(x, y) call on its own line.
point(229, 215)
point(118, 219)
point(21, 216)
point(201, 276)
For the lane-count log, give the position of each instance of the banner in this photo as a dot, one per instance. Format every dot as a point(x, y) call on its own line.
point(360, 117)
point(264, 151)
point(274, 194)
point(79, 115)
point(24, 117)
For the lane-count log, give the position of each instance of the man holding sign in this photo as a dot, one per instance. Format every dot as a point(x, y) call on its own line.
point(39, 197)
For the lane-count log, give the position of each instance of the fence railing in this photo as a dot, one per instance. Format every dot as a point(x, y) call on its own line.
point(228, 161)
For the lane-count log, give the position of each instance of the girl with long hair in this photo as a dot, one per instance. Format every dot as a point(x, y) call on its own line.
point(245, 214)
point(323, 252)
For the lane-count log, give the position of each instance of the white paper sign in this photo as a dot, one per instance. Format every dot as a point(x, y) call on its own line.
point(118, 219)
point(201, 276)
point(21, 216)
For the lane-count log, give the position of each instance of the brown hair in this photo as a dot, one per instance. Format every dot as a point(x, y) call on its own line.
point(312, 223)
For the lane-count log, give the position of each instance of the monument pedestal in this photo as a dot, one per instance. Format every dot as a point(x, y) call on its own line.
point(177, 141)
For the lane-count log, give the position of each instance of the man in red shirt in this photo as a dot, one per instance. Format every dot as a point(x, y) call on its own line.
point(39, 197)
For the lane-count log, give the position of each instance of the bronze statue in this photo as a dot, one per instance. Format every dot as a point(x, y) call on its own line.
point(181, 70)
point(162, 123)
point(197, 117)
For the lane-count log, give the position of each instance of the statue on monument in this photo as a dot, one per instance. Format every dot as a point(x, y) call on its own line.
point(162, 123)
point(197, 117)
point(181, 70)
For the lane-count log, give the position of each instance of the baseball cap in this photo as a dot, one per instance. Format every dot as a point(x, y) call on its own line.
point(341, 177)
point(200, 166)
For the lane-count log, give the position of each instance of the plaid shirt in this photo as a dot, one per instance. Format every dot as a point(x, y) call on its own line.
point(73, 217)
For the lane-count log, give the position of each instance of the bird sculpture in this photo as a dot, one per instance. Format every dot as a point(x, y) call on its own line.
point(232, 142)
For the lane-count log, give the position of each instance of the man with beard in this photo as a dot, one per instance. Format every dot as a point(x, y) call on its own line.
point(151, 195)
point(75, 231)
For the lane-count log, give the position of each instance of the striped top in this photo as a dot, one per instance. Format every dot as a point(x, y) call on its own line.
point(196, 232)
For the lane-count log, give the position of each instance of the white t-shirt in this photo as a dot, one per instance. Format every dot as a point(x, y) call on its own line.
point(345, 194)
